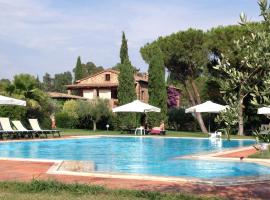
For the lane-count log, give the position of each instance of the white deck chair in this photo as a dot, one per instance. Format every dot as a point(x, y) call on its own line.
point(35, 126)
point(18, 125)
point(6, 127)
point(216, 134)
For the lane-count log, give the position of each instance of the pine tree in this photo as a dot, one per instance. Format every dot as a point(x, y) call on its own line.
point(78, 70)
point(157, 87)
point(124, 49)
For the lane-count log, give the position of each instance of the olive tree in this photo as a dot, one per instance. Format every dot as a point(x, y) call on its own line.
point(253, 71)
point(93, 110)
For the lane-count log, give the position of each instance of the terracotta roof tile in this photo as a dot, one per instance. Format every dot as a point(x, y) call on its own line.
point(63, 96)
point(100, 85)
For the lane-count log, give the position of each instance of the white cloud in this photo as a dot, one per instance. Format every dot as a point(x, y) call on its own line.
point(37, 37)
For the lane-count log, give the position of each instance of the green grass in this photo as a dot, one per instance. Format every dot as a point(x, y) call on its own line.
point(261, 154)
point(51, 190)
point(80, 132)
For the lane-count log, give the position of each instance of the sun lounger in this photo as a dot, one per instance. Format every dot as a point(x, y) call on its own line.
point(216, 134)
point(35, 126)
point(157, 131)
point(18, 125)
point(7, 129)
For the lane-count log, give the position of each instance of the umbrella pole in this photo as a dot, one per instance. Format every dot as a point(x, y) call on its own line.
point(209, 122)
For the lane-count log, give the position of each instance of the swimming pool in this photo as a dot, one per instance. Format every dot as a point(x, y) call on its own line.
point(139, 155)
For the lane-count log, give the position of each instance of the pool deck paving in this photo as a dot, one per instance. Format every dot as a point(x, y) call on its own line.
point(29, 170)
point(24, 170)
point(240, 153)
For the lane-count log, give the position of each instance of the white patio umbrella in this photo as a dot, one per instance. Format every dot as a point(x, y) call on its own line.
point(206, 107)
point(264, 110)
point(11, 101)
point(136, 106)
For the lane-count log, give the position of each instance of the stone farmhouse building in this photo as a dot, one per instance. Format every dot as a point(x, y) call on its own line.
point(104, 85)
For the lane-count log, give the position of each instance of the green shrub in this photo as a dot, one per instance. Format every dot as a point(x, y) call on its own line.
point(179, 120)
point(13, 112)
point(101, 124)
point(65, 120)
point(46, 123)
point(71, 107)
point(112, 121)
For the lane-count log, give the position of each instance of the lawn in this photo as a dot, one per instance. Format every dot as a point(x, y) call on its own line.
point(261, 154)
point(80, 132)
point(49, 190)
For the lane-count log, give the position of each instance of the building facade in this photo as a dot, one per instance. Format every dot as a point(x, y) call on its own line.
point(104, 85)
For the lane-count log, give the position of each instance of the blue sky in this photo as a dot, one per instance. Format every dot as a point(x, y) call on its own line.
point(39, 36)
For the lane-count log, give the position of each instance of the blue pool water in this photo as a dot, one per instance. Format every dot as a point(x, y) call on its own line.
point(138, 155)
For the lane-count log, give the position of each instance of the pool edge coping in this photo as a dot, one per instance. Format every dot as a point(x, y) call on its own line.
point(54, 169)
point(97, 136)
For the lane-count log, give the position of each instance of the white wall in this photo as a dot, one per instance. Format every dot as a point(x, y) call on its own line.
point(105, 94)
point(88, 94)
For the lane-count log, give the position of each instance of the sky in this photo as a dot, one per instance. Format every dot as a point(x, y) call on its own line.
point(39, 36)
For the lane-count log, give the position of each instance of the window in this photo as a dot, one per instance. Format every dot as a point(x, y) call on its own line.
point(107, 77)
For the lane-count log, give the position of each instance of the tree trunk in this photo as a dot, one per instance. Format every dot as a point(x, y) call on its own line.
point(196, 92)
point(197, 115)
point(94, 125)
point(240, 115)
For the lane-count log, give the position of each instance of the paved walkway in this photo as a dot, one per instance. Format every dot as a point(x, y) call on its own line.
point(239, 154)
point(27, 170)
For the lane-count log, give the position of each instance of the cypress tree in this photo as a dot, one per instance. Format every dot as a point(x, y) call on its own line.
point(126, 94)
point(78, 70)
point(124, 49)
point(126, 88)
point(157, 87)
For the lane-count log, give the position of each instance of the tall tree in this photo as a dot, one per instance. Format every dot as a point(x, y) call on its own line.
point(78, 70)
point(124, 49)
point(39, 83)
point(91, 68)
point(253, 71)
point(62, 79)
point(124, 54)
point(157, 87)
point(47, 82)
point(126, 88)
point(126, 92)
point(185, 56)
point(6, 86)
